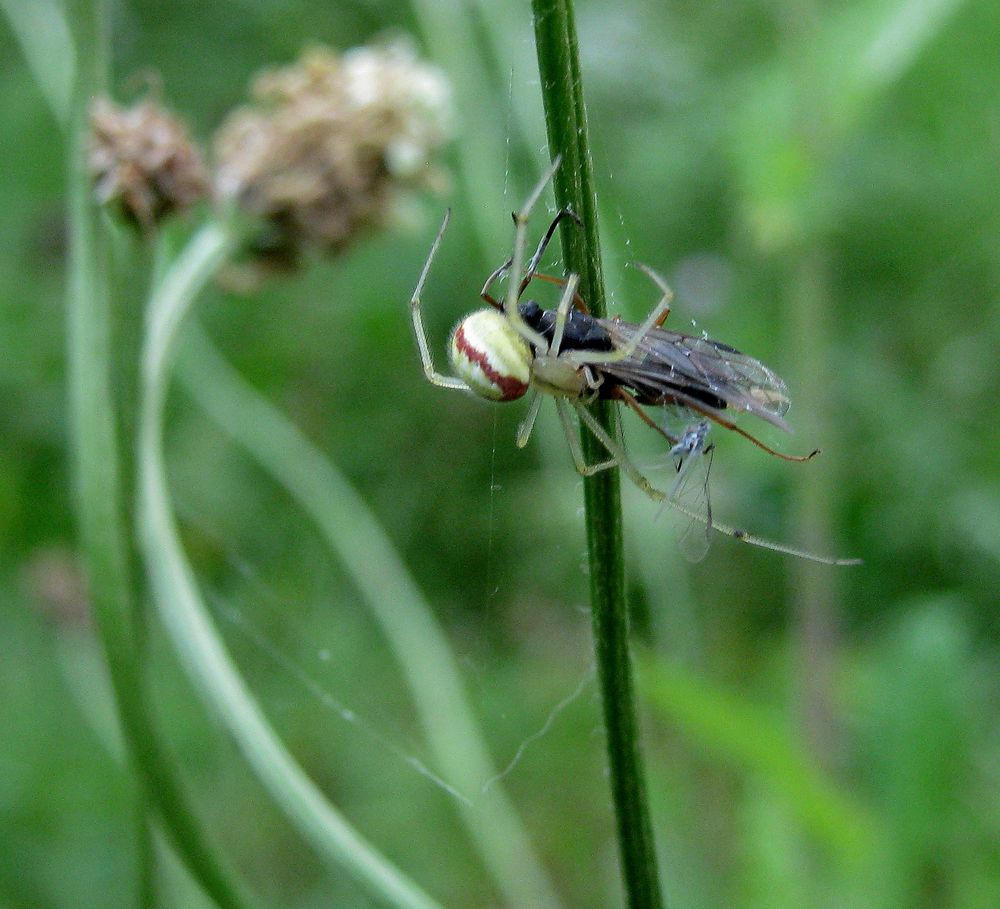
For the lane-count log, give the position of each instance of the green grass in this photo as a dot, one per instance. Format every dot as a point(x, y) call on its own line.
point(811, 738)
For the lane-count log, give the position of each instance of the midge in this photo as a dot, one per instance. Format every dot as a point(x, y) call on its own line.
point(505, 351)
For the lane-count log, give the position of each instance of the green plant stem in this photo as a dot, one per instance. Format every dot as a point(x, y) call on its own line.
point(450, 33)
point(566, 121)
point(187, 619)
point(105, 530)
point(813, 592)
point(42, 30)
point(419, 645)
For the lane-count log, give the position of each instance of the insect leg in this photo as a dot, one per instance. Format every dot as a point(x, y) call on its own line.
point(544, 242)
point(517, 261)
point(728, 424)
point(535, 259)
point(622, 395)
point(552, 279)
point(657, 495)
point(485, 292)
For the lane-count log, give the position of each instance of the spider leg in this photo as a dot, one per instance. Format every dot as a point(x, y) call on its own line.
point(544, 242)
point(562, 313)
point(512, 296)
point(657, 495)
point(528, 423)
point(533, 264)
point(617, 450)
point(656, 317)
point(577, 299)
point(418, 323)
point(664, 290)
point(576, 449)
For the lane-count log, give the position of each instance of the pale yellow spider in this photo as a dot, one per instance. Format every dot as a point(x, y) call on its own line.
point(503, 351)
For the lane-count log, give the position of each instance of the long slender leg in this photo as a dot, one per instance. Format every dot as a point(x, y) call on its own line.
point(562, 313)
point(617, 450)
point(533, 263)
point(656, 317)
point(528, 423)
point(544, 242)
point(728, 424)
point(517, 261)
point(485, 292)
point(664, 290)
point(657, 495)
point(622, 395)
point(418, 323)
point(520, 218)
point(581, 304)
point(532, 271)
point(576, 449)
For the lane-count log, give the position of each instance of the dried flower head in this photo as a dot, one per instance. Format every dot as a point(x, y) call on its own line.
point(142, 158)
point(331, 141)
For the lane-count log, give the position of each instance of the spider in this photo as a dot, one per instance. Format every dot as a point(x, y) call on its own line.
point(514, 347)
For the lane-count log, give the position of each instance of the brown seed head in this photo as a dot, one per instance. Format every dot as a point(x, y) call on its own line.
point(142, 158)
point(330, 141)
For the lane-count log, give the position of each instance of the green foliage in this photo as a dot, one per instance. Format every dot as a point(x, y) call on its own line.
point(747, 151)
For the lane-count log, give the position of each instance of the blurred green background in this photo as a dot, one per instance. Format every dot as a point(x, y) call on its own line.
point(820, 185)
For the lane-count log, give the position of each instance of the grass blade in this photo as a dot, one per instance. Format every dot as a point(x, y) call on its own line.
point(419, 644)
point(189, 623)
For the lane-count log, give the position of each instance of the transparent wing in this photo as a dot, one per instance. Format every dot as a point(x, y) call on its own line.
point(693, 461)
point(670, 367)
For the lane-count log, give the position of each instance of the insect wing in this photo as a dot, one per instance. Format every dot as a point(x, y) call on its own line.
point(708, 375)
point(693, 462)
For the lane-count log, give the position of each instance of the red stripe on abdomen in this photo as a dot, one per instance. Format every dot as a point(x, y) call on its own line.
point(510, 387)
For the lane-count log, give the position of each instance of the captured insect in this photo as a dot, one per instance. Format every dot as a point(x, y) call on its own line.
point(514, 346)
point(692, 460)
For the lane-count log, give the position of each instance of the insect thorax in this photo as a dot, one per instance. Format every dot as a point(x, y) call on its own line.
point(581, 332)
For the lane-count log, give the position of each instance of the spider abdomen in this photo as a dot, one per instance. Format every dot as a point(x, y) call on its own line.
point(490, 356)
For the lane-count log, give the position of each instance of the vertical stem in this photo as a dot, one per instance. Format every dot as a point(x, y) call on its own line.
point(184, 613)
point(106, 530)
point(814, 590)
point(808, 306)
point(102, 527)
point(566, 121)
